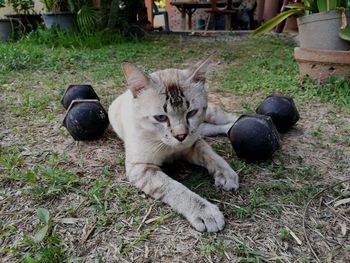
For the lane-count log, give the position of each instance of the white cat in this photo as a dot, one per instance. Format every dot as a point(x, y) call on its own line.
point(162, 117)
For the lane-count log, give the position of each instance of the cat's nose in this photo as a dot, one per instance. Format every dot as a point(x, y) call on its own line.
point(181, 137)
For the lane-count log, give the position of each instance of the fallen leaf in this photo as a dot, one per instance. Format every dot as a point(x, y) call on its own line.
point(343, 228)
point(40, 235)
point(342, 202)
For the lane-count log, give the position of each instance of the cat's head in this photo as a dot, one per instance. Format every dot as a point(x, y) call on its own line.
point(170, 104)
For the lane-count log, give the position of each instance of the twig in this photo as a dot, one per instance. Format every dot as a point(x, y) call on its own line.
point(341, 202)
point(209, 260)
point(145, 217)
point(87, 235)
point(14, 213)
point(233, 205)
point(307, 207)
point(226, 203)
point(294, 236)
point(227, 255)
point(338, 213)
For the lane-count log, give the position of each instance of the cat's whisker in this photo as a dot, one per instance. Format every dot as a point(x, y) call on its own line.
point(160, 147)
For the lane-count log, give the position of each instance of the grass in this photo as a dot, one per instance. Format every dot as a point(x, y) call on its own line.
point(267, 61)
point(49, 251)
point(271, 68)
point(84, 186)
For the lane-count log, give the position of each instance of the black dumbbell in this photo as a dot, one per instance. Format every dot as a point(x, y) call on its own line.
point(86, 120)
point(281, 109)
point(78, 92)
point(254, 137)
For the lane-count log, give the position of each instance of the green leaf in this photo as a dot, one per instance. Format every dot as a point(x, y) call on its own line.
point(322, 5)
point(333, 4)
point(298, 6)
point(345, 34)
point(40, 235)
point(309, 2)
point(43, 215)
point(269, 25)
point(345, 3)
point(49, 4)
point(312, 6)
point(29, 259)
point(327, 5)
point(87, 17)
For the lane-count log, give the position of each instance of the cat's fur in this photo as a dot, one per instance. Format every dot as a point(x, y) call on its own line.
point(162, 117)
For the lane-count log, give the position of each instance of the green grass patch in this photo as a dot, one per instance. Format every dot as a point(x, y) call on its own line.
point(11, 160)
point(42, 181)
point(49, 251)
point(263, 64)
point(44, 247)
point(214, 246)
point(247, 255)
point(267, 65)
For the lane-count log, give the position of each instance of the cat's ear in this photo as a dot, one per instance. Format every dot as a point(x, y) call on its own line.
point(137, 80)
point(198, 71)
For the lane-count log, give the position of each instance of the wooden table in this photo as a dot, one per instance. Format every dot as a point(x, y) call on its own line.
point(227, 12)
point(188, 8)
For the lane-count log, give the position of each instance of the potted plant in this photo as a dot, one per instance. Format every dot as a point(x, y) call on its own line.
point(6, 26)
point(25, 14)
point(87, 12)
point(323, 37)
point(59, 15)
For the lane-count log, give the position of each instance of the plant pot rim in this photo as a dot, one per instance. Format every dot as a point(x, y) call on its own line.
point(58, 13)
point(21, 15)
point(332, 14)
point(322, 55)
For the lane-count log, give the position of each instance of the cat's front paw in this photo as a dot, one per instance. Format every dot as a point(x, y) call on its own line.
point(226, 180)
point(207, 218)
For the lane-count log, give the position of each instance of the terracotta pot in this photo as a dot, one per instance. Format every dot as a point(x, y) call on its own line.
point(320, 64)
point(291, 25)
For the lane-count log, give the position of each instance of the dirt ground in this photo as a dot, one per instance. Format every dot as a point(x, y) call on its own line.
point(264, 220)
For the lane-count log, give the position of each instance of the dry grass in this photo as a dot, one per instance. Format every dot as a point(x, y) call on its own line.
point(98, 216)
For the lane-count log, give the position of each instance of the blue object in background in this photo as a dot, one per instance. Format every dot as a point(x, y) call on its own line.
point(217, 22)
point(200, 24)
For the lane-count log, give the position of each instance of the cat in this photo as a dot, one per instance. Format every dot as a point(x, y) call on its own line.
point(160, 118)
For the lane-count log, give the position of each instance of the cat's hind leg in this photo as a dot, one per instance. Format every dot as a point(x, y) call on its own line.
point(209, 129)
point(216, 122)
point(215, 115)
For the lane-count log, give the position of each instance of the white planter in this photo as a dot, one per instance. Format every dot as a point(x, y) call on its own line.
point(321, 30)
point(63, 20)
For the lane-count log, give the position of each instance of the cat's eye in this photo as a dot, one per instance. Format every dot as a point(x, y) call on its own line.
point(191, 113)
point(161, 118)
